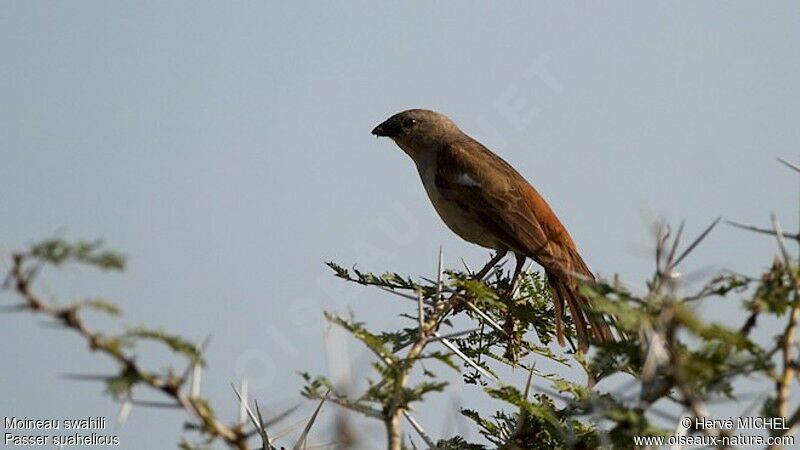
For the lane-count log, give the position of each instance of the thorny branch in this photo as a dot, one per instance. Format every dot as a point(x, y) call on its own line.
point(235, 436)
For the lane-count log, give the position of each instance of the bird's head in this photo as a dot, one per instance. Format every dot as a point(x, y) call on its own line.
point(418, 131)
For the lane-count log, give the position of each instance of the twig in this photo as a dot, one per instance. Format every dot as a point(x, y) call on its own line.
point(756, 229)
point(413, 298)
point(354, 406)
point(792, 166)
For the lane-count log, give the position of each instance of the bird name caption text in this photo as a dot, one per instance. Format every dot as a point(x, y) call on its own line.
point(64, 432)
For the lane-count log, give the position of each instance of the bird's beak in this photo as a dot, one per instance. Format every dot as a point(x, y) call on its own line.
point(385, 130)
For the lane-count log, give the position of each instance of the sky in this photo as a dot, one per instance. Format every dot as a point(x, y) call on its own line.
point(225, 149)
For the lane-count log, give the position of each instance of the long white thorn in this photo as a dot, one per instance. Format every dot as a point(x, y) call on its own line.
point(466, 358)
point(420, 430)
point(243, 401)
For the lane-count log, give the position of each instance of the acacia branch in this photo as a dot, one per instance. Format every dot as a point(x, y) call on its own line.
point(234, 436)
point(787, 341)
point(428, 328)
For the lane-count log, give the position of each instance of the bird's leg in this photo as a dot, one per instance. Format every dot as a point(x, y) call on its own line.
point(492, 262)
point(517, 273)
point(509, 325)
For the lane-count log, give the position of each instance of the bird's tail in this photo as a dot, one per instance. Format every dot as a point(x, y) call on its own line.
point(589, 327)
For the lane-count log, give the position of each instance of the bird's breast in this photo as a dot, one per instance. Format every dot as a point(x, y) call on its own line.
point(460, 220)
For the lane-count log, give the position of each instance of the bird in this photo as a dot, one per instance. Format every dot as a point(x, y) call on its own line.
point(485, 201)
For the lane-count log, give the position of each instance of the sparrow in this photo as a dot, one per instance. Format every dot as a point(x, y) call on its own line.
point(485, 201)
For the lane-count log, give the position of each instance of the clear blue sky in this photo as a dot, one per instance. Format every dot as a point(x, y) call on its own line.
point(225, 148)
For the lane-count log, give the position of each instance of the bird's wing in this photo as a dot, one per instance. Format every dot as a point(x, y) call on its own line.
point(502, 201)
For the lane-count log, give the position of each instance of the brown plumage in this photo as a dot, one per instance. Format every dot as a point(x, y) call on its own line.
point(485, 201)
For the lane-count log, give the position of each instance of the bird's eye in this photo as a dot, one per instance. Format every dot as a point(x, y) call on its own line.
point(408, 123)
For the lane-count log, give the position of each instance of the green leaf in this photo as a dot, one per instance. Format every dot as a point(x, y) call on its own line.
point(100, 305)
point(58, 251)
point(174, 342)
